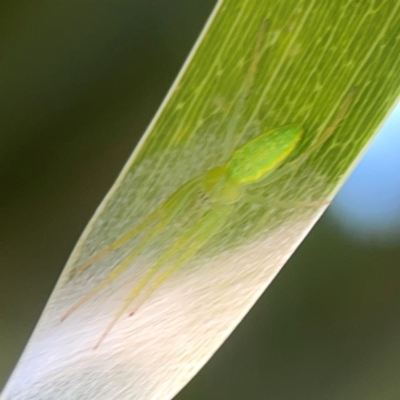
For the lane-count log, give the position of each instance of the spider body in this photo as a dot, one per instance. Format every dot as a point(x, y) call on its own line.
point(202, 206)
point(211, 197)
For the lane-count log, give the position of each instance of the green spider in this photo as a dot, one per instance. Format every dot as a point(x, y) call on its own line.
point(213, 196)
point(216, 193)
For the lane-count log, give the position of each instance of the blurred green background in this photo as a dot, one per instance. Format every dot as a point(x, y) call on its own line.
point(79, 83)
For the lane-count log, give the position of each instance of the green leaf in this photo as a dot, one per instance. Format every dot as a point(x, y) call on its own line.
point(330, 68)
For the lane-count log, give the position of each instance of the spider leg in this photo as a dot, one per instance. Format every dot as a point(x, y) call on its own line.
point(245, 90)
point(118, 243)
point(117, 271)
point(194, 239)
point(165, 212)
point(260, 200)
point(168, 211)
point(166, 274)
